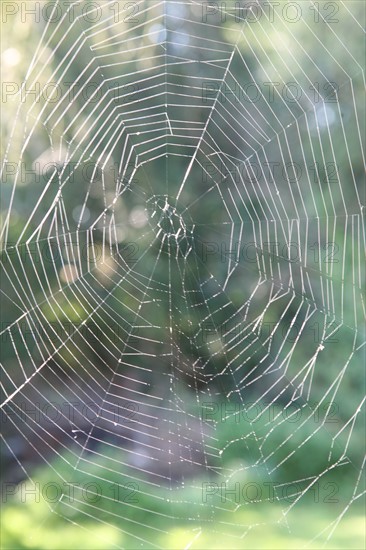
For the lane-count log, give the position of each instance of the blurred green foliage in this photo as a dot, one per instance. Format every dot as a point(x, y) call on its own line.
point(304, 451)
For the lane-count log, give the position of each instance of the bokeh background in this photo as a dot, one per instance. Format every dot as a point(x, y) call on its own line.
point(156, 365)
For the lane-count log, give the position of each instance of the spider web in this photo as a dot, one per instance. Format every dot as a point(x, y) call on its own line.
point(182, 281)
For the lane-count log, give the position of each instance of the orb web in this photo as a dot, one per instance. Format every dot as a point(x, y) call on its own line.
point(182, 268)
